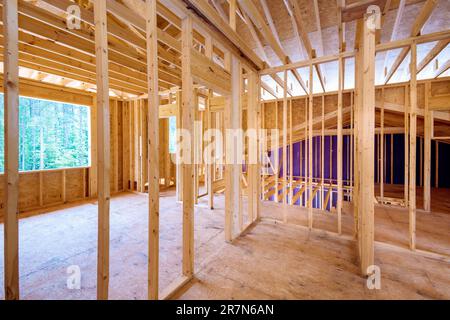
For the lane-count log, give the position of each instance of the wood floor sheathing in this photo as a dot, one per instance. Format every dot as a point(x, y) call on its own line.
point(271, 261)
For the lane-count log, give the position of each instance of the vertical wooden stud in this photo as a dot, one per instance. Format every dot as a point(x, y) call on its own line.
point(153, 149)
point(103, 141)
point(188, 168)
point(11, 134)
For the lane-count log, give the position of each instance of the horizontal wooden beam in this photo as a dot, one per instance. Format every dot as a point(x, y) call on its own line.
point(203, 8)
point(47, 91)
point(436, 36)
point(439, 103)
point(168, 110)
point(209, 74)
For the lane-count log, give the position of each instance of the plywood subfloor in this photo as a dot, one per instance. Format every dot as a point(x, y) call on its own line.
point(391, 222)
point(271, 261)
point(52, 242)
point(287, 262)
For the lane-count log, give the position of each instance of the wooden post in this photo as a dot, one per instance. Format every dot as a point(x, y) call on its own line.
point(139, 147)
point(252, 124)
point(153, 150)
point(11, 156)
point(412, 147)
point(93, 170)
point(306, 150)
point(420, 162)
point(196, 134)
point(115, 131)
point(233, 169)
point(238, 168)
point(209, 166)
point(145, 138)
point(352, 139)
point(331, 171)
point(125, 145)
point(339, 145)
point(260, 147)
point(310, 148)
point(210, 160)
point(103, 144)
point(284, 160)
point(436, 172)
point(322, 155)
point(276, 156)
point(132, 144)
point(392, 158)
point(381, 173)
point(179, 167)
point(63, 186)
point(291, 156)
point(406, 143)
point(357, 101)
point(188, 172)
point(233, 7)
point(366, 147)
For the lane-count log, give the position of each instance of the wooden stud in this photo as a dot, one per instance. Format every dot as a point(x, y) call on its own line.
point(133, 138)
point(381, 148)
point(63, 186)
point(144, 143)
point(322, 154)
point(196, 144)
point(210, 161)
point(427, 151)
point(352, 141)
point(103, 141)
point(41, 188)
point(153, 149)
point(310, 147)
point(179, 168)
point(232, 14)
point(210, 166)
point(188, 172)
point(115, 137)
point(93, 170)
point(366, 147)
point(412, 147)
point(125, 146)
point(420, 162)
point(232, 170)
point(291, 156)
point(276, 155)
point(406, 143)
point(252, 124)
point(340, 146)
point(436, 172)
point(11, 127)
point(284, 160)
point(331, 171)
point(392, 159)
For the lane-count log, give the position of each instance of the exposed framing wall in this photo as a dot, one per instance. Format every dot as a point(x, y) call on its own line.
point(43, 189)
